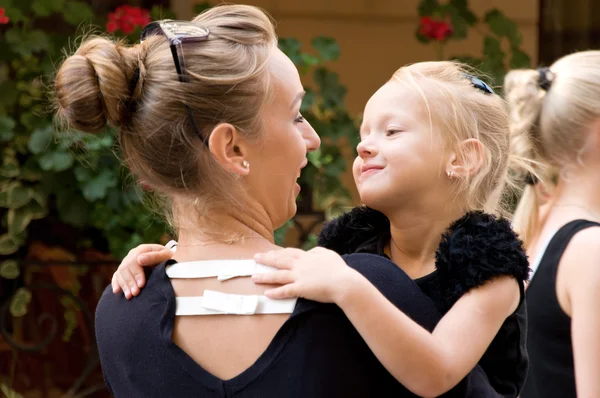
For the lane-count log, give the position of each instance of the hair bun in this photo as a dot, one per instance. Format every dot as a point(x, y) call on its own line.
point(91, 86)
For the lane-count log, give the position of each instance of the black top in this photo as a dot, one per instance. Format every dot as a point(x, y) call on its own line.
point(551, 373)
point(475, 249)
point(316, 353)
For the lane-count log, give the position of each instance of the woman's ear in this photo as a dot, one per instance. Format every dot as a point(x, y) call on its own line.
point(229, 149)
point(467, 160)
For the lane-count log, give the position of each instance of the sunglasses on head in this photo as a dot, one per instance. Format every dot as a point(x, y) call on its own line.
point(479, 84)
point(177, 33)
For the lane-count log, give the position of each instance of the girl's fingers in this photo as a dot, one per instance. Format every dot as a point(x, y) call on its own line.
point(282, 259)
point(283, 292)
point(281, 277)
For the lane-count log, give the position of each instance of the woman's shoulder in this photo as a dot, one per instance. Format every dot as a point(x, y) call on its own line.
point(475, 249)
point(117, 317)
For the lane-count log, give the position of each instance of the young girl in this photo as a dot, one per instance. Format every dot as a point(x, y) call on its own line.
point(556, 114)
point(434, 154)
point(535, 201)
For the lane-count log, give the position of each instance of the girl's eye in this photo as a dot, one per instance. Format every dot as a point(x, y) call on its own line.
point(392, 132)
point(299, 119)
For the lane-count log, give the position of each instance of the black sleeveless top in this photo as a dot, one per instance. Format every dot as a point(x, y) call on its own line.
point(551, 372)
point(475, 249)
point(317, 353)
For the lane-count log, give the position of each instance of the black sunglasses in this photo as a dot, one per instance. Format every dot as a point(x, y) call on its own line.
point(479, 84)
point(179, 32)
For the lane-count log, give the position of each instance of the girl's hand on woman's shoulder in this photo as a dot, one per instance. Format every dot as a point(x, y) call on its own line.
point(129, 277)
point(318, 274)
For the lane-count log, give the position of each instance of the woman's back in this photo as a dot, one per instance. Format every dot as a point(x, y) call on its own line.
point(315, 352)
point(224, 345)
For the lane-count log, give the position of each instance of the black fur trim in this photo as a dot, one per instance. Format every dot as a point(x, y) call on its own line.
point(474, 250)
point(349, 231)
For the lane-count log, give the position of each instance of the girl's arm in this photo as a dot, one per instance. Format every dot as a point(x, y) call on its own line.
point(428, 364)
point(581, 271)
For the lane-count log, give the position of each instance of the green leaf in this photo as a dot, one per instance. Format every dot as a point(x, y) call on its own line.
point(47, 161)
point(27, 42)
point(56, 161)
point(314, 158)
point(158, 12)
point(18, 220)
point(335, 168)
point(97, 187)
point(519, 59)
point(330, 88)
point(8, 95)
point(96, 143)
point(200, 8)
point(72, 208)
point(492, 50)
point(6, 128)
point(309, 60)
point(14, 13)
point(327, 47)
point(291, 47)
point(83, 174)
point(76, 12)
point(308, 101)
point(493, 60)
point(19, 303)
point(40, 139)
point(10, 167)
point(311, 242)
point(420, 37)
point(459, 24)
point(9, 269)
point(281, 232)
point(31, 170)
point(32, 121)
point(17, 195)
point(8, 245)
point(427, 7)
point(43, 8)
point(503, 27)
point(37, 208)
point(463, 9)
point(62, 161)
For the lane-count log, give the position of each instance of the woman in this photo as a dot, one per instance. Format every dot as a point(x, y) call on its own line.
point(209, 118)
point(559, 113)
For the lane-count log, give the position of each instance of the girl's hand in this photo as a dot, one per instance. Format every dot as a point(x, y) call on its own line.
point(129, 277)
point(319, 274)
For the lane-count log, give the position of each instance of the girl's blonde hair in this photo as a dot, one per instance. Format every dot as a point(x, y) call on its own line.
point(462, 112)
point(136, 88)
point(550, 124)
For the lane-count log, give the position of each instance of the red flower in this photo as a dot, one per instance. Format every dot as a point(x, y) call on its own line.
point(3, 18)
point(127, 18)
point(434, 29)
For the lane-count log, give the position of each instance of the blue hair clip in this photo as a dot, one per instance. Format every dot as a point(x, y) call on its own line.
point(479, 84)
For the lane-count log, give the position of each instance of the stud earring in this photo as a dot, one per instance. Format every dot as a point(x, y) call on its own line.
point(450, 175)
point(245, 164)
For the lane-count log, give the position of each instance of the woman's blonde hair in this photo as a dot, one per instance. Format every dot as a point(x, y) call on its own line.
point(551, 111)
point(136, 88)
point(462, 112)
